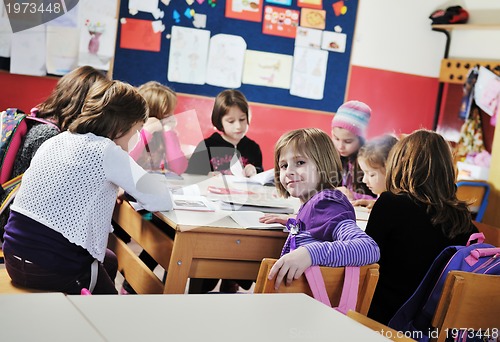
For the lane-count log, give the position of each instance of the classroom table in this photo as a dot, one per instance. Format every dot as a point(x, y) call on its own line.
point(219, 317)
point(190, 244)
point(43, 317)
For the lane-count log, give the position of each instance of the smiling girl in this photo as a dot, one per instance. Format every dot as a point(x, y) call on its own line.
point(217, 153)
point(307, 166)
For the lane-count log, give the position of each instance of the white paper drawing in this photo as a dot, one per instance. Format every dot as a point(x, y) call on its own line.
point(149, 6)
point(309, 73)
point(97, 42)
point(5, 35)
point(308, 37)
point(487, 91)
point(267, 69)
point(69, 19)
point(187, 62)
point(62, 49)
point(225, 60)
point(28, 52)
point(333, 41)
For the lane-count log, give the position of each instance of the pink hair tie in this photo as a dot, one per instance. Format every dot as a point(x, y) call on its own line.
point(34, 111)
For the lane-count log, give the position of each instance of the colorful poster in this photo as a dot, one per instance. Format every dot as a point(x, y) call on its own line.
point(139, 35)
point(309, 73)
point(318, 4)
point(225, 60)
point(267, 69)
point(250, 10)
point(280, 21)
point(313, 18)
point(187, 62)
point(280, 2)
point(333, 41)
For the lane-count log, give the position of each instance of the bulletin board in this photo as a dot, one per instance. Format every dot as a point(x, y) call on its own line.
point(138, 66)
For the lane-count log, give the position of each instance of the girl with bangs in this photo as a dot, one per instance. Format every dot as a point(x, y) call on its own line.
point(307, 166)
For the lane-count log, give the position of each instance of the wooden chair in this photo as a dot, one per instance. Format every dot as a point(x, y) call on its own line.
point(476, 194)
point(383, 329)
point(491, 233)
point(334, 280)
point(469, 300)
point(8, 287)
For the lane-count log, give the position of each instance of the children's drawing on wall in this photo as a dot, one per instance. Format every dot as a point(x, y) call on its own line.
point(28, 52)
point(309, 73)
point(225, 60)
point(97, 20)
point(250, 10)
point(280, 21)
point(200, 20)
point(280, 2)
point(318, 4)
point(307, 37)
point(487, 92)
point(267, 69)
point(62, 49)
point(188, 55)
point(333, 41)
point(5, 35)
point(339, 8)
point(313, 18)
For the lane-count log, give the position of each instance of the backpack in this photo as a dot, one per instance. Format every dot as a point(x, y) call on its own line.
point(417, 313)
point(13, 130)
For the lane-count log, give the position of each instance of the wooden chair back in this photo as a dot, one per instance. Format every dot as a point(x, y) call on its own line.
point(383, 329)
point(469, 300)
point(475, 193)
point(491, 233)
point(334, 281)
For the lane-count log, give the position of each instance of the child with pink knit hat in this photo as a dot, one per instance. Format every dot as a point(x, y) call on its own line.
point(348, 134)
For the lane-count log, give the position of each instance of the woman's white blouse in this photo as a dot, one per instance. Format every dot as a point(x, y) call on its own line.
point(72, 184)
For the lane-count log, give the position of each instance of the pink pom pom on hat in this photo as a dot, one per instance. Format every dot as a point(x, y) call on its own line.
point(353, 116)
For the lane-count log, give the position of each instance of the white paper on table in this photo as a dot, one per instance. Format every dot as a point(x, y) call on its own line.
point(28, 52)
point(362, 213)
point(250, 219)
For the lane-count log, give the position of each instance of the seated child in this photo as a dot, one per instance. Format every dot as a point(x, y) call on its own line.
point(372, 158)
point(308, 167)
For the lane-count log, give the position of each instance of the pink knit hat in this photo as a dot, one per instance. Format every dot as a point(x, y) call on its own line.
point(353, 116)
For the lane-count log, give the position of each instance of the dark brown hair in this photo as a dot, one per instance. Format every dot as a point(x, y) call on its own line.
point(421, 166)
point(110, 110)
point(224, 101)
point(316, 145)
point(161, 99)
point(65, 102)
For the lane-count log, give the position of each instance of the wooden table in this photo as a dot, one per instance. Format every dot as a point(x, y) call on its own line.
point(219, 317)
point(191, 244)
point(43, 317)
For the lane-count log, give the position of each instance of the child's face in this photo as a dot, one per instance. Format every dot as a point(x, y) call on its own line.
point(345, 142)
point(235, 125)
point(124, 140)
point(298, 174)
point(374, 178)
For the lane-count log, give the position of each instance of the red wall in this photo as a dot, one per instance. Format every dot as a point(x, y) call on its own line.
point(400, 102)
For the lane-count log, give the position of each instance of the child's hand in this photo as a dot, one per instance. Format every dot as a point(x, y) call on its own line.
point(368, 203)
point(346, 192)
point(275, 218)
point(292, 265)
point(249, 170)
point(153, 125)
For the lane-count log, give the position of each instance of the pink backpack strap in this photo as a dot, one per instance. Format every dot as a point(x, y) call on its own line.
point(476, 236)
point(317, 284)
point(349, 296)
point(481, 252)
point(47, 122)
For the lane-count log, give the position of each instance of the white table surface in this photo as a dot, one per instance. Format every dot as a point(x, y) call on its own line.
point(43, 317)
point(219, 317)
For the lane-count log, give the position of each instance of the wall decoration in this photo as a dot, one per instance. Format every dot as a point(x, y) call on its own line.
point(267, 69)
point(309, 73)
point(333, 41)
point(307, 37)
point(225, 60)
point(313, 18)
point(280, 21)
point(250, 10)
point(139, 35)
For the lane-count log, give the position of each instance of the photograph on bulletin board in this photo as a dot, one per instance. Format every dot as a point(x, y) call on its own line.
point(264, 48)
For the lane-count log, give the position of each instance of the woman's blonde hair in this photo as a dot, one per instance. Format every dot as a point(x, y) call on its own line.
point(110, 110)
point(376, 151)
point(421, 166)
point(161, 99)
point(316, 145)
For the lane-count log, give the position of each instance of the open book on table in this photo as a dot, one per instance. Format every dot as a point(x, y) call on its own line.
point(263, 178)
point(196, 203)
point(250, 220)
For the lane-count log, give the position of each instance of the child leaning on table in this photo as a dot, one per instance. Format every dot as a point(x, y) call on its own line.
point(372, 158)
point(60, 220)
point(307, 166)
point(158, 147)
